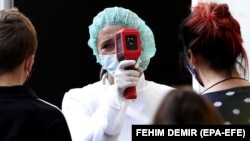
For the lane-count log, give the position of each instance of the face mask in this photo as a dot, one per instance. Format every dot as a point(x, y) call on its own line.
point(109, 63)
point(193, 72)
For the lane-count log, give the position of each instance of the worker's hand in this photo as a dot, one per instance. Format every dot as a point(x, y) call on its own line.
point(124, 78)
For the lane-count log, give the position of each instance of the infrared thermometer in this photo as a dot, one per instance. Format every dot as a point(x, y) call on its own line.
point(128, 47)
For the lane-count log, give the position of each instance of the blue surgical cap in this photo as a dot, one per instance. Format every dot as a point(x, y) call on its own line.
point(125, 17)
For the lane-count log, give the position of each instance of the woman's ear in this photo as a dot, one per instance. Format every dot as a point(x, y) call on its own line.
point(189, 53)
point(191, 58)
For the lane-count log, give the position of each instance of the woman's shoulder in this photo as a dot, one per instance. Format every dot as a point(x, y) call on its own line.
point(233, 93)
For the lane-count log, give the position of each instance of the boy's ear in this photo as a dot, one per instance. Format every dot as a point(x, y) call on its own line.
point(29, 63)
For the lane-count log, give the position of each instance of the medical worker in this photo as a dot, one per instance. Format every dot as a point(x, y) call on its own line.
point(99, 111)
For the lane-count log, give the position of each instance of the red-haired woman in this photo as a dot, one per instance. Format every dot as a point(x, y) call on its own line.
point(214, 54)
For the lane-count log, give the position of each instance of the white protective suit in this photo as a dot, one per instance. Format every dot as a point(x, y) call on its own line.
point(95, 113)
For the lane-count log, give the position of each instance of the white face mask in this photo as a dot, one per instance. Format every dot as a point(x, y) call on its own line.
point(109, 63)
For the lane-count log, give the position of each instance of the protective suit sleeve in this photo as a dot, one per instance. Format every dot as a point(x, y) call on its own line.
point(92, 121)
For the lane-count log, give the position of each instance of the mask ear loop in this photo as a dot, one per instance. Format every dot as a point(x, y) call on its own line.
point(191, 69)
point(185, 58)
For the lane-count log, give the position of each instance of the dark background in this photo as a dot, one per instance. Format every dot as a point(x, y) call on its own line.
point(65, 61)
